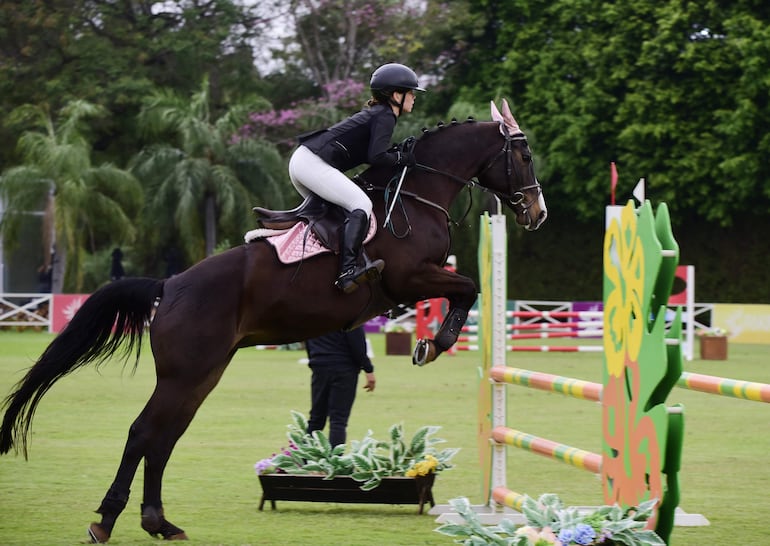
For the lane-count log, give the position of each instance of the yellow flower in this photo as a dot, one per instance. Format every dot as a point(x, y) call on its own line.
point(624, 271)
point(424, 467)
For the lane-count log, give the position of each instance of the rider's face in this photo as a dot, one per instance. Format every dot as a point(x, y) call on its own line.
point(408, 100)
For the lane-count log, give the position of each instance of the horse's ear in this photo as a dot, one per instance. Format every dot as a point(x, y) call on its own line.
point(496, 115)
point(508, 119)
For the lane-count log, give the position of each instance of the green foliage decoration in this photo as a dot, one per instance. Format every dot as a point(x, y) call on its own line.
point(549, 522)
point(367, 460)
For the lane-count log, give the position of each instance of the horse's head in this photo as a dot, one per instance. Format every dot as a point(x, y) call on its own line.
point(511, 174)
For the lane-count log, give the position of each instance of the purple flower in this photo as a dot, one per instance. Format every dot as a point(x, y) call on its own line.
point(265, 466)
point(584, 534)
point(566, 536)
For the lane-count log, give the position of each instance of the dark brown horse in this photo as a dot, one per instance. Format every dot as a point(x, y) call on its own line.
point(245, 296)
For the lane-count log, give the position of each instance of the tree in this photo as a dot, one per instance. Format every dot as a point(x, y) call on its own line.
point(206, 179)
point(344, 40)
point(116, 53)
point(670, 91)
point(88, 206)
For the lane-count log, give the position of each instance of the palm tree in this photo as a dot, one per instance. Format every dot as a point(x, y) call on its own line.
point(84, 205)
point(207, 179)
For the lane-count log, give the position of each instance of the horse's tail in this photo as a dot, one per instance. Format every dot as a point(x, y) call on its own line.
point(117, 312)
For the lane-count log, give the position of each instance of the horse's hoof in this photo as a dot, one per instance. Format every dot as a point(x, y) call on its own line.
point(151, 520)
point(154, 522)
point(97, 534)
point(424, 352)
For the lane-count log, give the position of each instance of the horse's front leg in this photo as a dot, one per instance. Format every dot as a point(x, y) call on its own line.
point(461, 293)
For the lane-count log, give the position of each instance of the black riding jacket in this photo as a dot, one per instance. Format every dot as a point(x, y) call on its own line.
point(364, 137)
point(340, 351)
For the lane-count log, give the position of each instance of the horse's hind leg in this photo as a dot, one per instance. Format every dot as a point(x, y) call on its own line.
point(153, 436)
point(178, 400)
point(117, 495)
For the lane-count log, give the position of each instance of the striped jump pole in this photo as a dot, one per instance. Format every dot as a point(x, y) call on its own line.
point(542, 335)
point(541, 348)
point(746, 390)
point(583, 315)
point(569, 386)
point(555, 335)
point(587, 390)
point(504, 496)
point(572, 456)
point(544, 326)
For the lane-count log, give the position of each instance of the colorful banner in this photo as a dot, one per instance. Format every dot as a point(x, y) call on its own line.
point(744, 323)
point(63, 308)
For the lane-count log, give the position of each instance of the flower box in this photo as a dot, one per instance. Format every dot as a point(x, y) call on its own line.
point(309, 488)
point(713, 347)
point(398, 343)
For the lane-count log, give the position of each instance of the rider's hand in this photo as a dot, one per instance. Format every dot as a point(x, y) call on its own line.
point(406, 159)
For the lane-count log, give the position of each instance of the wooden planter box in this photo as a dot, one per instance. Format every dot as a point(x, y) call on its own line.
point(713, 347)
point(398, 343)
point(394, 490)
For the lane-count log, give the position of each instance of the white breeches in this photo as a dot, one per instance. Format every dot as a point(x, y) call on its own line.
point(311, 174)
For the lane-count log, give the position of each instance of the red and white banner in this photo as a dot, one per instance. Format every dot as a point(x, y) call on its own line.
point(63, 308)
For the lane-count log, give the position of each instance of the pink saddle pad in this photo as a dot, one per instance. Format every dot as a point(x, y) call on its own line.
point(299, 242)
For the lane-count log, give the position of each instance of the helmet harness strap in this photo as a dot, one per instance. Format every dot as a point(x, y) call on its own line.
point(400, 105)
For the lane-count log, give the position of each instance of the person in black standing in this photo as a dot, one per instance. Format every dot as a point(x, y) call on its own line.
point(116, 268)
point(336, 360)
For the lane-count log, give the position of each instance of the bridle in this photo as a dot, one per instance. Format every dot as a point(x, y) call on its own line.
point(515, 198)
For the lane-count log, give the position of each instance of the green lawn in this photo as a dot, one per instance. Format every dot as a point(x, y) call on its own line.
point(212, 492)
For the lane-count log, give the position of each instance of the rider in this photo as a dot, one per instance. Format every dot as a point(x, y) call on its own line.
point(317, 165)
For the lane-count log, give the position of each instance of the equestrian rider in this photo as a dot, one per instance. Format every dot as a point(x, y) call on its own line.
point(318, 164)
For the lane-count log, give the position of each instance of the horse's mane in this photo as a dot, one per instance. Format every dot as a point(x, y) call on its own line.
point(383, 174)
point(441, 126)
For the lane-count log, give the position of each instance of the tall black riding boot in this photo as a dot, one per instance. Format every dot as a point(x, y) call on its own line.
point(351, 273)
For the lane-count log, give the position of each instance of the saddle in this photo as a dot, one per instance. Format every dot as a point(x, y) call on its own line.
point(309, 229)
point(323, 219)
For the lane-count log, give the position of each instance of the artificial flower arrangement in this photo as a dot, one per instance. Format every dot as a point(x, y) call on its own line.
point(367, 460)
point(393, 326)
point(714, 331)
point(549, 523)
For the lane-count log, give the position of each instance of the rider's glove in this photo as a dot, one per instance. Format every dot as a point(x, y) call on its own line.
point(406, 159)
point(405, 153)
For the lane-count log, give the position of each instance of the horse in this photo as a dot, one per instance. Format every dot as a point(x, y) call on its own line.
point(245, 296)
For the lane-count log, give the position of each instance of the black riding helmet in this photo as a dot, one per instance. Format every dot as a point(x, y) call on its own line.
point(393, 77)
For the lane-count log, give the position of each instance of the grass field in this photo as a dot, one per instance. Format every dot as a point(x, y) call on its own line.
point(211, 490)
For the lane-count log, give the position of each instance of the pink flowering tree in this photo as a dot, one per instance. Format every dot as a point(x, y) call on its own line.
point(340, 98)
